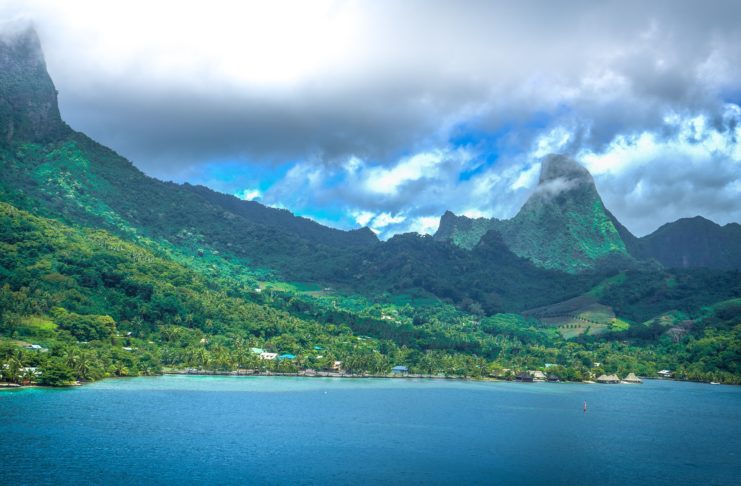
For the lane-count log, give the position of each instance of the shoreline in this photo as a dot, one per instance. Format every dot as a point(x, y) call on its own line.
point(331, 374)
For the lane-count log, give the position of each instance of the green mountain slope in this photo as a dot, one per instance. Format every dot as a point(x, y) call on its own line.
point(129, 274)
point(564, 224)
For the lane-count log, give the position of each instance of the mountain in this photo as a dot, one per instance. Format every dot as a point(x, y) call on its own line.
point(119, 273)
point(284, 220)
point(53, 171)
point(695, 242)
point(28, 99)
point(563, 225)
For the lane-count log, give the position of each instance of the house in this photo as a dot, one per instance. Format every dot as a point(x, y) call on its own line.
point(553, 378)
point(549, 365)
point(611, 379)
point(665, 374)
point(28, 370)
point(36, 347)
point(257, 350)
point(632, 378)
point(337, 366)
point(286, 356)
point(268, 356)
point(524, 377)
point(400, 370)
point(538, 375)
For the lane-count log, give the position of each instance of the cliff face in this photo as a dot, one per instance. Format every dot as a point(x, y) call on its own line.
point(28, 98)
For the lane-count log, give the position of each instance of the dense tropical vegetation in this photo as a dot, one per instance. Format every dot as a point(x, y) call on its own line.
point(107, 272)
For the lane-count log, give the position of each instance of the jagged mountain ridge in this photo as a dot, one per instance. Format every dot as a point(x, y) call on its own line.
point(564, 225)
point(49, 168)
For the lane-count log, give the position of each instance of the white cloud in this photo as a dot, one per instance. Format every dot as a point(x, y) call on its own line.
point(425, 225)
point(362, 218)
point(388, 181)
point(384, 219)
point(249, 194)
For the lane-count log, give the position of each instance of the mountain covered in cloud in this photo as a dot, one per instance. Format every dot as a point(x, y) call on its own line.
point(562, 231)
point(563, 225)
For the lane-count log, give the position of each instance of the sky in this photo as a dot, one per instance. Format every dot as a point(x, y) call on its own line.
point(388, 113)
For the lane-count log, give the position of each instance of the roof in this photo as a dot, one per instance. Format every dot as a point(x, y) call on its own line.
point(608, 378)
point(399, 368)
point(257, 350)
point(287, 356)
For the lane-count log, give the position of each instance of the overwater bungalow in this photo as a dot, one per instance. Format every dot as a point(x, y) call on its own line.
point(632, 378)
point(609, 379)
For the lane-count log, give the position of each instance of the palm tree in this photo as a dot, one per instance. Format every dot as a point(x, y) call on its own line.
point(119, 369)
point(12, 369)
point(84, 366)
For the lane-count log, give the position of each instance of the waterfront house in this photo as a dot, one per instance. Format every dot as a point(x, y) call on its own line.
point(538, 375)
point(336, 366)
point(286, 356)
point(665, 373)
point(399, 370)
point(268, 356)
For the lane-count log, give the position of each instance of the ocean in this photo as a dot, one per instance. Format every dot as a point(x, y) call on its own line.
point(284, 430)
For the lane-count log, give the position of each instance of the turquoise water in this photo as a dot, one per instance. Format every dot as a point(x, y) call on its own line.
point(247, 430)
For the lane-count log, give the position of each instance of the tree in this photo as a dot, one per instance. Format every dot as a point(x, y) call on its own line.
point(55, 372)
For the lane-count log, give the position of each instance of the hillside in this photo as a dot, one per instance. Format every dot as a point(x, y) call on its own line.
point(101, 262)
point(695, 242)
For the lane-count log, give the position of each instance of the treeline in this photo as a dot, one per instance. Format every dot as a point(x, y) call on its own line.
point(103, 306)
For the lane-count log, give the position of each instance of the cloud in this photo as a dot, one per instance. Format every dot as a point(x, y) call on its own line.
point(249, 194)
point(650, 178)
point(345, 109)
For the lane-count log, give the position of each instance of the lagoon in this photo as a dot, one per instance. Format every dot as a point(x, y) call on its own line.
point(284, 430)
